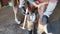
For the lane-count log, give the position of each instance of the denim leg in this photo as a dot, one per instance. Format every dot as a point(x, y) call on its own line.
point(45, 19)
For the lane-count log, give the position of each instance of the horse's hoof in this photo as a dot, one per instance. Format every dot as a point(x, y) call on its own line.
point(22, 27)
point(18, 22)
point(39, 32)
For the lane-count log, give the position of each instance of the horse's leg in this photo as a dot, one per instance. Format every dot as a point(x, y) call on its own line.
point(15, 13)
point(25, 19)
point(46, 30)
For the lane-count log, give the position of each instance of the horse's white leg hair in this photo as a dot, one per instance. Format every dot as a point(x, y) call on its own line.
point(40, 27)
point(45, 29)
point(15, 13)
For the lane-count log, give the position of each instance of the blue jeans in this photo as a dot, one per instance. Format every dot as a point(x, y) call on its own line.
point(45, 19)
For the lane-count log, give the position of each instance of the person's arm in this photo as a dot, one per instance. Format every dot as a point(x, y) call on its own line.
point(50, 8)
point(44, 3)
point(34, 4)
point(40, 4)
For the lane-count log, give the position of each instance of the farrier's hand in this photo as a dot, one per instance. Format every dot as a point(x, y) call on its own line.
point(41, 4)
point(33, 3)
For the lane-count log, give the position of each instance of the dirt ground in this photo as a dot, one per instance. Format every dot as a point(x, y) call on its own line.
point(9, 26)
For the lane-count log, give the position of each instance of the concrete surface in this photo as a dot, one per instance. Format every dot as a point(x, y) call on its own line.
point(9, 26)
